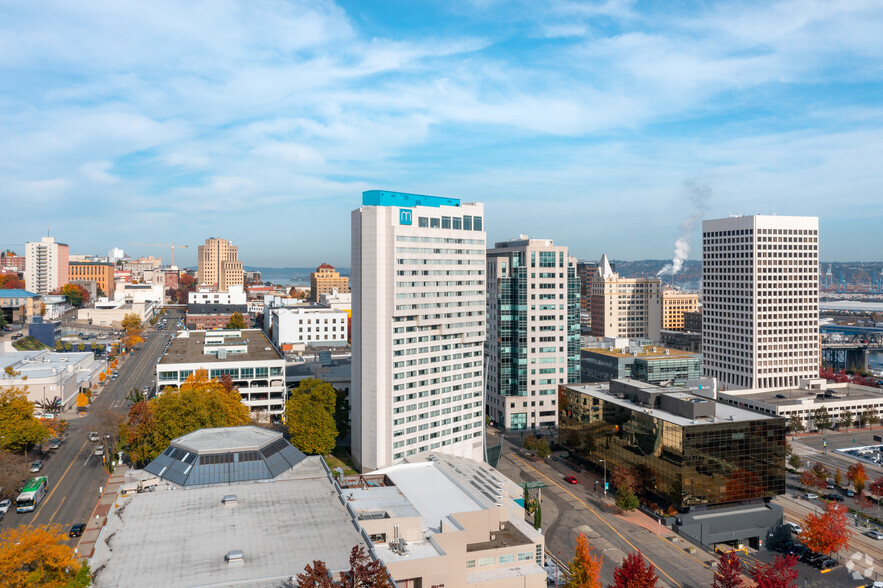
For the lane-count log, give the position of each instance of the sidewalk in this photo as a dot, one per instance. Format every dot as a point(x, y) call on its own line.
point(106, 502)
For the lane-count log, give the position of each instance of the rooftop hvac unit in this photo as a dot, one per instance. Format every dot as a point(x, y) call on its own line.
point(229, 499)
point(234, 556)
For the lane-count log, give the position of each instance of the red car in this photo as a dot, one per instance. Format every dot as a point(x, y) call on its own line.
point(571, 480)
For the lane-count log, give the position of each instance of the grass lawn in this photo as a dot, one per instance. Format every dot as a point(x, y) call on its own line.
point(28, 344)
point(340, 458)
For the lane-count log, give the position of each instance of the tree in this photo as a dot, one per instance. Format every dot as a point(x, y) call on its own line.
point(838, 478)
point(363, 572)
point(315, 576)
point(846, 419)
point(821, 472)
point(633, 573)
point(624, 479)
point(827, 532)
point(11, 282)
point(870, 417)
point(821, 418)
point(132, 324)
point(200, 403)
point(795, 462)
point(39, 556)
point(82, 400)
point(12, 474)
point(310, 417)
point(237, 321)
point(2, 319)
point(530, 443)
point(858, 476)
point(342, 413)
point(729, 572)
point(585, 567)
point(76, 295)
point(876, 487)
point(19, 428)
point(781, 573)
point(626, 499)
point(795, 423)
point(537, 516)
point(543, 449)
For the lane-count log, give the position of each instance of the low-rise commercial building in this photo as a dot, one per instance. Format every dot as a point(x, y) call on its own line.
point(256, 367)
point(202, 317)
point(102, 273)
point(208, 295)
point(140, 293)
point(49, 375)
point(110, 313)
point(718, 464)
point(647, 363)
point(439, 521)
point(298, 328)
point(19, 305)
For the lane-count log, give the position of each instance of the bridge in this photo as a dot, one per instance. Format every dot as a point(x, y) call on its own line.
point(849, 350)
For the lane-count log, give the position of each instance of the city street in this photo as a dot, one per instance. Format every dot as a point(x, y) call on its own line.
point(75, 474)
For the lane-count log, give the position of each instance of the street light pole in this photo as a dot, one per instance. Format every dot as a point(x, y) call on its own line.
point(604, 461)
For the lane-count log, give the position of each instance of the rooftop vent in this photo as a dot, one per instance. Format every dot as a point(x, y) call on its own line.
point(229, 499)
point(234, 557)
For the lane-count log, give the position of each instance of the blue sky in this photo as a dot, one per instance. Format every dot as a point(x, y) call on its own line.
point(592, 123)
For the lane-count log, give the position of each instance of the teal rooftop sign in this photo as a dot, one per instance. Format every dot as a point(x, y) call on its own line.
point(384, 198)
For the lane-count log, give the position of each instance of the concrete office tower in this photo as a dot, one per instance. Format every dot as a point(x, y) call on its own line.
point(418, 280)
point(625, 307)
point(46, 265)
point(674, 304)
point(533, 331)
point(585, 270)
point(325, 280)
point(219, 264)
point(760, 300)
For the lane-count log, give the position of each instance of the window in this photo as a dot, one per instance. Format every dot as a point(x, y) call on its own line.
point(476, 223)
point(433, 223)
point(422, 221)
point(261, 372)
point(470, 563)
point(458, 222)
point(467, 223)
point(526, 556)
point(505, 559)
point(486, 561)
point(446, 224)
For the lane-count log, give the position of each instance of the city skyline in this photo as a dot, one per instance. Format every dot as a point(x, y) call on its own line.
point(262, 124)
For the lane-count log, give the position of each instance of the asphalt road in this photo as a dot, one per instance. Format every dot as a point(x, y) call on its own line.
point(75, 473)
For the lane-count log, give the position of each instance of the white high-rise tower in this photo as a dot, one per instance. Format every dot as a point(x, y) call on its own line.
point(418, 328)
point(760, 300)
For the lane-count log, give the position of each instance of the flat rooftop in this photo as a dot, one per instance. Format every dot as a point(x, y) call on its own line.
point(179, 538)
point(647, 353)
point(796, 396)
point(227, 439)
point(723, 412)
point(188, 346)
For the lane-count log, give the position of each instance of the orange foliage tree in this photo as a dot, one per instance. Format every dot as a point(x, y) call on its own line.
point(729, 572)
point(635, 572)
point(858, 476)
point(11, 282)
point(585, 567)
point(828, 532)
point(39, 557)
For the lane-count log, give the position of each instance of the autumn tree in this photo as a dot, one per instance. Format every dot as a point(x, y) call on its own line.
point(310, 417)
point(19, 428)
point(729, 572)
point(200, 403)
point(363, 572)
point(827, 532)
point(82, 400)
point(530, 443)
point(858, 476)
point(237, 321)
point(838, 478)
point(132, 324)
point(585, 567)
point(624, 479)
point(39, 556)
point(11, 282)
point(635, 572)
point(876, 487)
point(75, 294)
point(315, 575)
point(821, 472)
point(780, 573)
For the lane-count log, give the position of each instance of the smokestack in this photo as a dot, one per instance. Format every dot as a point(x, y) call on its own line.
point(698, 196)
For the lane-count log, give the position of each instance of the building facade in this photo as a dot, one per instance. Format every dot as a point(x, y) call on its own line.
point(760, 297)
point(247, 356)
point(585, 270)
point(46, 265)
point(294, 328)
point(674, 304)
point(219, 264)
point(205, 317)
point(204, 295)
point(19, 305)
point(645, 363)
point(326, 280)
point(533, 331)
point(102, 273)
point(693, 322)
point(624, 307)
point(418, 279)
point(11, 262)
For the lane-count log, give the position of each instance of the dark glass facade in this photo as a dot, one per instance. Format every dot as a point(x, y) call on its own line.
point(687, 465)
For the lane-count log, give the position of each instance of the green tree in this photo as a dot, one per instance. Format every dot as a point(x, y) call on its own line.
point(870, 417)
point(795, 423)
point(342, 412)
point(310, 417)
point(795, 462)
point(543, 449)
point(821, 418)
point(59, 345)
point(3, 322)
point(530, 443)
point(846, 419)
point(626, 499)
point(237, 321)
point(537, 516)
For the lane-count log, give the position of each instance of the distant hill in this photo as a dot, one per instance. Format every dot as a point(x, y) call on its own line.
point(289, 275)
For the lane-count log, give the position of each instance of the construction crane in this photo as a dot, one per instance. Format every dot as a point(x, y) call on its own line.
point(172, 245)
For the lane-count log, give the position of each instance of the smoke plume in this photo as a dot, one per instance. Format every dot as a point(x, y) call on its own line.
point(698, 196)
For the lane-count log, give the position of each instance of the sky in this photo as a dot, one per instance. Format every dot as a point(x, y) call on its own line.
point(602, 125)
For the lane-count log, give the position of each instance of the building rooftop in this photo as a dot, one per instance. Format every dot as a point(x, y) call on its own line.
point(17, 293)
point(648, 352)
point(216, 308)
point(795, 396)
point(723, 412)
point(189, 347)
point(179, 538)
point(386, 198)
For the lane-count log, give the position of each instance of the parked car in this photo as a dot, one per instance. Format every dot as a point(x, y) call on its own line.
point(794, 527)
point(99, 450)
point(5, 504)
point(874, 535)
point(834, 497)
point(94, 436)
point(571, 480)
point(76, 530)
point(810, 496)
point(36, 466)
point(54, 444)
point(850, 493)
point(811, 557)
point(826, 564)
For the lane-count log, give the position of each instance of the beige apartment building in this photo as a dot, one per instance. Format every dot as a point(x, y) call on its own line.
point(219, 264)
point(326, 280)
point(46, 265)
point(674, 304)
point(625, 307)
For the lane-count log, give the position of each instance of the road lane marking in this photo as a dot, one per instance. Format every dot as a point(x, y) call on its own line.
point(57, 484)
point(600, 518)
point(56, 510)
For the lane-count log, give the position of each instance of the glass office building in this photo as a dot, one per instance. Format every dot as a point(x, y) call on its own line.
point(686, 450)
